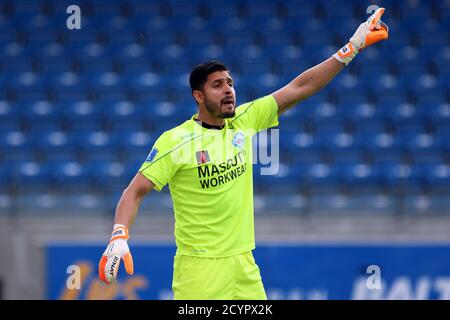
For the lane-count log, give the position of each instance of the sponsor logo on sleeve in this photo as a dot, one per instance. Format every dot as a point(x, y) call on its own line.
point(152, 155)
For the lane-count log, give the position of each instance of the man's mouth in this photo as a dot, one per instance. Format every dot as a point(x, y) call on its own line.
point(228, 102)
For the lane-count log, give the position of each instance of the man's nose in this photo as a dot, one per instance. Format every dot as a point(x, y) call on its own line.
point(228, 88)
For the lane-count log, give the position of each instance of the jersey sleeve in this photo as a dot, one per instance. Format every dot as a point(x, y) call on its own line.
point(160, 167)
point(258, 114)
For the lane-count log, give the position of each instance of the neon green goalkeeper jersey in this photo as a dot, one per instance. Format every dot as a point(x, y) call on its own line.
point(209, 172)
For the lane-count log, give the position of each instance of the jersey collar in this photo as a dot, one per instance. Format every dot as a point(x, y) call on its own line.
point(206, 125)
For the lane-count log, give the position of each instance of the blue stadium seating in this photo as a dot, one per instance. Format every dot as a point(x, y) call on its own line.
point(82, 108)
point(422, 203)
point(363, 201)
point(16, 144)
point(31, 175)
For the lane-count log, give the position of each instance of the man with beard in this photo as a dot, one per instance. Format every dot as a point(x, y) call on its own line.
point(207, 162)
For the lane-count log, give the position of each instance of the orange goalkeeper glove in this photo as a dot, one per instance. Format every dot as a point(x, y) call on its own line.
point(368, 33)
point(117, 249)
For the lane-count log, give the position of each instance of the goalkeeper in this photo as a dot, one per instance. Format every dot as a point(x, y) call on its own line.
point(212, 192)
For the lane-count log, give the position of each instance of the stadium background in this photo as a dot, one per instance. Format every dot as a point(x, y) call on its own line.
point(364, 173)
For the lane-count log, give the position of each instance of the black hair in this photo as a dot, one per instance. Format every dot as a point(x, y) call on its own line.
point(200, 73)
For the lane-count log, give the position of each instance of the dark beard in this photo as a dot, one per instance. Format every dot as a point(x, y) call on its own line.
point(214, 109)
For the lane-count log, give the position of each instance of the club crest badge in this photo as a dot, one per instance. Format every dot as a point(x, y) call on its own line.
point(239, 140)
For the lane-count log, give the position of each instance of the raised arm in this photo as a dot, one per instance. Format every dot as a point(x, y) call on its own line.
point(307, 84)
point(314, 79)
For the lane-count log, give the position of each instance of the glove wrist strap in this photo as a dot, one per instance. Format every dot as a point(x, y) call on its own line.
point(120, 231)
point(346, 53)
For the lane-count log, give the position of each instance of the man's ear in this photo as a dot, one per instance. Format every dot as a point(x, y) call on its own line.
point(198, 96)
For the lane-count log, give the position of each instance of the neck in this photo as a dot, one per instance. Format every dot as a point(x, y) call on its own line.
point(208, 118)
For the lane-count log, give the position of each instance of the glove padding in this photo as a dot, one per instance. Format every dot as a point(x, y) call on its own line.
point(117, 249)
point(371, 31)
point(368, 33)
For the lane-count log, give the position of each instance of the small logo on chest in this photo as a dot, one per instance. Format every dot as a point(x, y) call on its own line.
point(202, 156)
point(239, 140)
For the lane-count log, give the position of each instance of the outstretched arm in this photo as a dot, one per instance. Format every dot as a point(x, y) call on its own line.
point(307, 84)
point(314, 79)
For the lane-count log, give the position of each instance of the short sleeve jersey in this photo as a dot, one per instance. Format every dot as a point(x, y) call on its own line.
point(209, 173)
